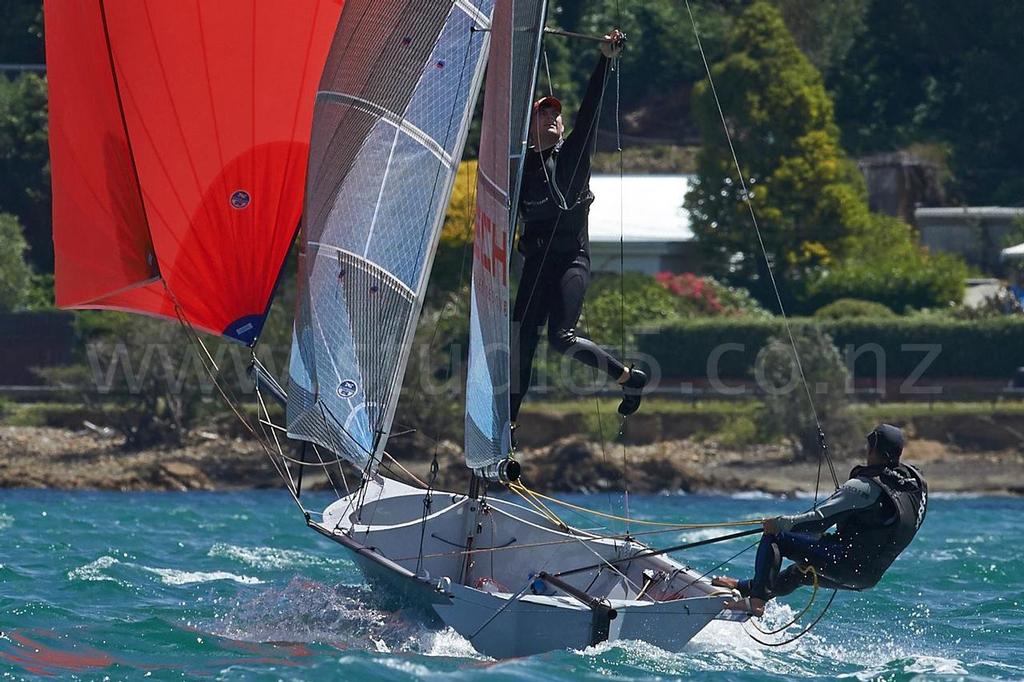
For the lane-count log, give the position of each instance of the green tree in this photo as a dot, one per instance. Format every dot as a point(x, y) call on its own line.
point(15, 273)
point(24, 163)
point(806, 194)
point(936, 70)
point(825, 30)
point(809, 198)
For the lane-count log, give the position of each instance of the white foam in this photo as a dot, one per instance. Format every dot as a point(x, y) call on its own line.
point(92, 570)
point(447, 643)
point(6, 521)
point(753, 495)
point(707, 534)
point(171, 576)
point(270, 558)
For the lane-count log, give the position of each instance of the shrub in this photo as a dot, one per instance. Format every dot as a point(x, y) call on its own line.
point(613, 306)
point(853, 307)
point(15, 273)
point(987, 348)
point(787, 410)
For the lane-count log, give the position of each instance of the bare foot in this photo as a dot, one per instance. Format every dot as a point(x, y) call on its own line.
point(725, 581)
point(751, 605)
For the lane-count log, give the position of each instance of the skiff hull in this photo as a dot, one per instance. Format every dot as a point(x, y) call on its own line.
point(502, 594)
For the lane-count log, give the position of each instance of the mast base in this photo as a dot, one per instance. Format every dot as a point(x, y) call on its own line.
point(504, 472)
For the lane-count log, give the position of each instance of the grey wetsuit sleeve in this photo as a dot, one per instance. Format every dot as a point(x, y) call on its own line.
point(857, 493)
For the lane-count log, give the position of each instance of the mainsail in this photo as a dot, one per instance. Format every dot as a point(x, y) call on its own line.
point(516, 35)
point(390, 122)
point(179, 135)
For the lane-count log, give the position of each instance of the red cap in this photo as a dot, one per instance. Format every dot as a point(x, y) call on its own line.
point(548, 101)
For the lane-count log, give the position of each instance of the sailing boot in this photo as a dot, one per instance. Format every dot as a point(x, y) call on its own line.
point(632, 391)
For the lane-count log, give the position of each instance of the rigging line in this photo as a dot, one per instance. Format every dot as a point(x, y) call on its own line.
point(408, 473)
point(584, 543)
point(665, 550)
point(617, 66)
point(567, 526)
point(714, 568)
point(277, 443)
point(678, 526)
point(547, 68)
point(341, 470)
point(600, 417)
point(194, 340)
point(802, 632)
point(753, 218)
point(567, 541)
point(538, 507)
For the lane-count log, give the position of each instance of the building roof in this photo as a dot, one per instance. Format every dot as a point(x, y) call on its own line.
point(969, 212)
point(653, 208)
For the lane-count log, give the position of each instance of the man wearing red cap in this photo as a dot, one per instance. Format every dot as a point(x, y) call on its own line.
point(554, 204)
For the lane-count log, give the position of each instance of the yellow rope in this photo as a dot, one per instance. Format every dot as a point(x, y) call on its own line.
point(537, 505)
point(409, 473)
point(594, 512)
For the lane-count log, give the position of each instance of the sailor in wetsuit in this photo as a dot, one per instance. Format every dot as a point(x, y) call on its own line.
point(554, 204)
point(876, 514)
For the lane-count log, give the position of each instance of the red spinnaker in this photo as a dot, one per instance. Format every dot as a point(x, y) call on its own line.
point(179, 135)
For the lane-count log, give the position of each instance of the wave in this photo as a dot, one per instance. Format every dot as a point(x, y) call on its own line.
point(6, 521)
point(173, 576)
point(271, 558)
point(94, 572)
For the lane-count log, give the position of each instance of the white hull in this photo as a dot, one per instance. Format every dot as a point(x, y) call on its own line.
point(494, 598)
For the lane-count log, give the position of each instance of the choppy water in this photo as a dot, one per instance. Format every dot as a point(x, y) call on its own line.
point(233, 586)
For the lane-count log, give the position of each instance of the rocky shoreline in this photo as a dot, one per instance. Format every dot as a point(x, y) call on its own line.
point(44, 457)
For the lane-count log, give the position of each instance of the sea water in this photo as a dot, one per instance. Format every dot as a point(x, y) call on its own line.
point(234, 586)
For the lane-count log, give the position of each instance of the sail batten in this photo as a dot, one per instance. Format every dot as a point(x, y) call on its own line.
point(391, 115)
point(515, 34)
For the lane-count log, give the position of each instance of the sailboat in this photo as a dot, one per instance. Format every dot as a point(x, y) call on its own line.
point(203, 243)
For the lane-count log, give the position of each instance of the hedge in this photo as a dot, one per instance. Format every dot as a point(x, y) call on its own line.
point(982, 349)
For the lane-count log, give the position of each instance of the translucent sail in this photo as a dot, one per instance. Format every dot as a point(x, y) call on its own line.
point(179, 133)
point(389, 125)
point(511, 73)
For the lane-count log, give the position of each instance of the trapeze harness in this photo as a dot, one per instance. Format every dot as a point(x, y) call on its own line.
point(554, 204)
point(877, 513)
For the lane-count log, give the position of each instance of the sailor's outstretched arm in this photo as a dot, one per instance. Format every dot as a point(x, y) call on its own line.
point(855, 494)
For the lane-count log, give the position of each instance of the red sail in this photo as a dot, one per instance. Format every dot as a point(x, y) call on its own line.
point(179, 135)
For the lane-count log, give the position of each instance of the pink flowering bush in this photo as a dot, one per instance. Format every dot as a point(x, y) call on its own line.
point(698, 295)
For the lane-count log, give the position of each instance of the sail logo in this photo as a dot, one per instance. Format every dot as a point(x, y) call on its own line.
point(347, 388)
point(490, 249)
point(240, 199)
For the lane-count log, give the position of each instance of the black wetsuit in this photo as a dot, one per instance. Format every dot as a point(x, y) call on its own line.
point(876, 514)
point(554, 204)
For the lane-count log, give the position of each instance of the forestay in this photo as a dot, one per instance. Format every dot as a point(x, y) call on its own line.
point(389, 125)
point(515, 47)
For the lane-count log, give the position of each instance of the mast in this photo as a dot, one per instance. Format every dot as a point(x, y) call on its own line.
point(516, 35)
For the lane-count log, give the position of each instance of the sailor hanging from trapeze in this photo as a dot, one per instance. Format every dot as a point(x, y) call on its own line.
point(876, 514)
point(554, 204)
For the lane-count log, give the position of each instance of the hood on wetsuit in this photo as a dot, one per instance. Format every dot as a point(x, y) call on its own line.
point(888, 441)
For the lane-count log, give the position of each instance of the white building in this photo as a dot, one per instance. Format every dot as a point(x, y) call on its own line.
point(978, 233)
point(647, 212)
